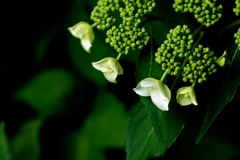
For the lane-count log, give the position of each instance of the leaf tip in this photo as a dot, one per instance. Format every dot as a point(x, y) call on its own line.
point(198, 139)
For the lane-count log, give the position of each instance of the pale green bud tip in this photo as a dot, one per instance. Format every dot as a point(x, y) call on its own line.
point(157, 90)
point(223, 60)
point(186, 96)
point(84, 32)
point(110, 67)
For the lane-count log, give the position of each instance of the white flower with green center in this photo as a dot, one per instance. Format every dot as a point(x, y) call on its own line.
point(84, 32)
point(157, 90)
point(110, 67)
point(186, 96)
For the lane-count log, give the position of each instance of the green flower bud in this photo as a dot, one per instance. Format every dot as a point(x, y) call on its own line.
point(223, 60)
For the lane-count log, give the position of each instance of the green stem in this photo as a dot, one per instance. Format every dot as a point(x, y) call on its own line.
point(197, 31)
point(118, 57)
point(186, 59)
point(179, 73)
point(198, 40)
point(231, 25)
point(194, 83)
point(94, 24)
point(164, 74)
point(150, 69)
point(175, 80)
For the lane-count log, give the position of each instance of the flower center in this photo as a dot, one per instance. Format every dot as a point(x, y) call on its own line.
point(187, 95)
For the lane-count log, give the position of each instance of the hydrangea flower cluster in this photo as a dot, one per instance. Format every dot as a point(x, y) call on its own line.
point(128, 35)
point(201, 64)
point(177, 46)
point(237, 36)
point(102, 13)
point(205, 11)
point(200, 61)
point(236, 10)
point(176, 56)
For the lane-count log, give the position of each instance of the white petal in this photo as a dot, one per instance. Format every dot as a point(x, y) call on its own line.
point(183, 101)
point(142, 91)
point(145, 86)
point(183, 90)
point(102, 65)
point(90, 34)
point(110, 76)
point(84, 32)
point(161, 96)
point(165, 90)
point(79, 29)
point(193, 96)
point(159, 99)
point(115, 65)
point(149, 82)
point(86, 45)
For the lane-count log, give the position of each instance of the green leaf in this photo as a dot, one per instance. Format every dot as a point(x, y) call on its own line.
point(4, 151)
point(47, 91)
point(141, 137)
point(167, 124)
point(104, 128)
point(226, 90)
point(25, 144)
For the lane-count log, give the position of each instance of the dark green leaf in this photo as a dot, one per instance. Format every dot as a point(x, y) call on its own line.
point(4, 151)
point(225, 91)
point(104, 128)
point(167, 124)
point(141, 137)
point(47, 91)
point(25, 144)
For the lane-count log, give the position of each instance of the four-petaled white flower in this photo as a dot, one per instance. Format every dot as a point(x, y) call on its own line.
point(84, 32)
point(223, 60)
point(110, 68)
point(157, 90)
point(186, 96)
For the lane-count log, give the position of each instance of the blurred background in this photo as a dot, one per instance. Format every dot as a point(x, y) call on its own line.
point(55, 105)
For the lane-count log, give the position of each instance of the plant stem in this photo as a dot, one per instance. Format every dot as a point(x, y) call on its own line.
point(194, 83)
point(198, 40)
point(94, 24)
point(118, 57)
point(186, 59)
point(197, 31)
point(176, 79)
point(231, 25)
point(150, 69)
point(164, 74)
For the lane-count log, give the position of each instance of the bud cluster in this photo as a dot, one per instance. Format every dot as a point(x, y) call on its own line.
point(177, 46)
point(237, 36)
point(205, 11)
point(128, 35)
point(200, 65)
point(101, 13)
point(136, 8)
point(237, 8)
